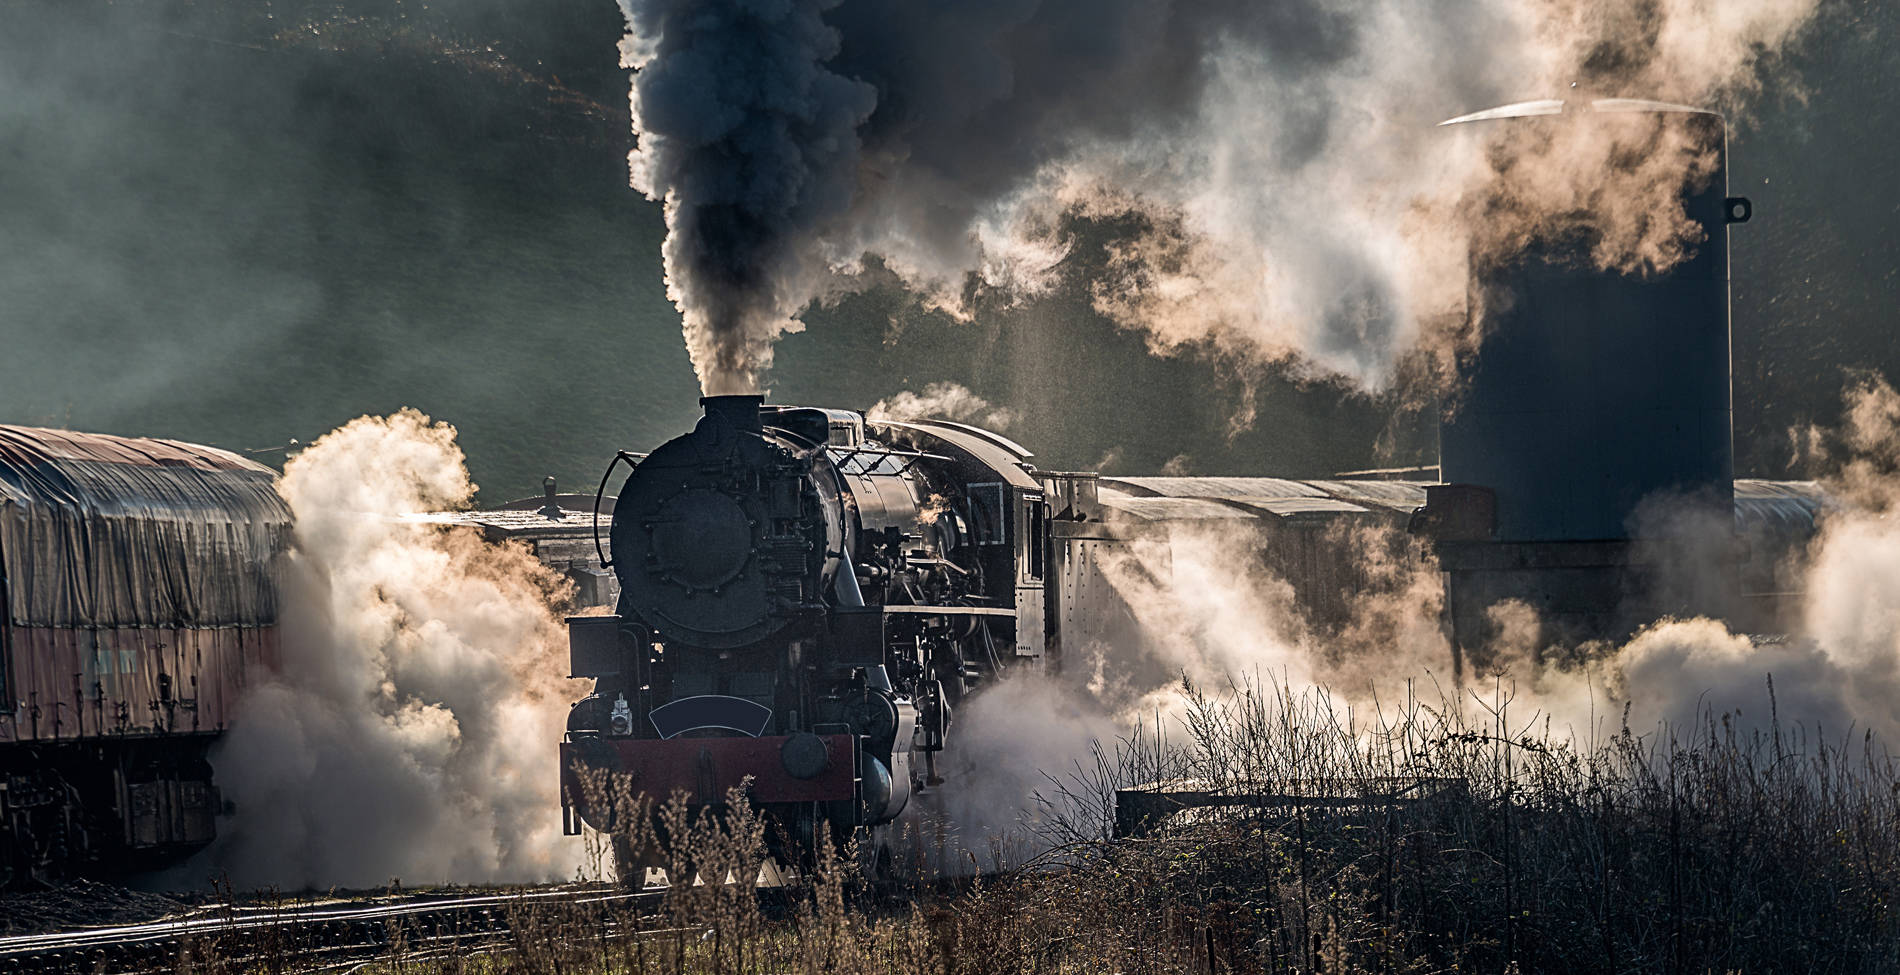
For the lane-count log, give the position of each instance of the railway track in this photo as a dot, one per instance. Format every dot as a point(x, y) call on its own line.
point(321, 937)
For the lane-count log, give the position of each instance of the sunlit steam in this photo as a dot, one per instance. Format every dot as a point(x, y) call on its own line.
point(942, 401)
point(1207, 607)
point(409, 730)
point(1853, 580)
point(1278, 188)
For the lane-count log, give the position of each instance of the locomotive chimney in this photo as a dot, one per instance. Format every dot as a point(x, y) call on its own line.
point(741, 411)
point(1592, 433)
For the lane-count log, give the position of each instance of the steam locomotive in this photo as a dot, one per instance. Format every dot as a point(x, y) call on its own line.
point(806, 599)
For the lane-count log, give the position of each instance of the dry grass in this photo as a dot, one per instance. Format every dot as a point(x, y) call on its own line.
point(1717, 851)
point(1708, 849)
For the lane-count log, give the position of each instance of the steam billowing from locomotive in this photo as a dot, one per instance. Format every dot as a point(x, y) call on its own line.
point(1290, 200)
point(400, 737)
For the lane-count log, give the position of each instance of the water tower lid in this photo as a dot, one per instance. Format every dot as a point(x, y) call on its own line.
point(1557, 106)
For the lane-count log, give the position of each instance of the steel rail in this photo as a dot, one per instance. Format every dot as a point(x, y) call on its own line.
point(308, 932)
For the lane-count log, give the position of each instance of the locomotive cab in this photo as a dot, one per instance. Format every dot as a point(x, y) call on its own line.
point(806, 597)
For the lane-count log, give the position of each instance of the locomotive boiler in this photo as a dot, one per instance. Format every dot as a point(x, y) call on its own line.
point(806, 597)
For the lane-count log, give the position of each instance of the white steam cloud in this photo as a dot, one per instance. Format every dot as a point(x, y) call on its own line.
point(1202, 607)
point(1213, 613)
point(1852, 608)
point(1206, 606)
point(409, 731)
point(942, 401)
point(1280, 191)
point(1839, 672)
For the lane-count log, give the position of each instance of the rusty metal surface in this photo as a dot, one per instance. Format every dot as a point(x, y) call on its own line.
point(75, 683)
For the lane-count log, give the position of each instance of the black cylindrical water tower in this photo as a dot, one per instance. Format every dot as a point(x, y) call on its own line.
point(1587, 458)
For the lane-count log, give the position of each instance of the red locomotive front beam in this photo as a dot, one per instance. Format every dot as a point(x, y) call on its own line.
point(705, 769)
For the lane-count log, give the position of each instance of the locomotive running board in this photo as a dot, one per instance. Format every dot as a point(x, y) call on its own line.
point(947, 610)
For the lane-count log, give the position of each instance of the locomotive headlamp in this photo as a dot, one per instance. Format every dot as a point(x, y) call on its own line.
point(621, 723)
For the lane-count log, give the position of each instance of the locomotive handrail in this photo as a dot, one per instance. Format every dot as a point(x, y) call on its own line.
point(914, 455)
point(936, 610)
point(633, 460)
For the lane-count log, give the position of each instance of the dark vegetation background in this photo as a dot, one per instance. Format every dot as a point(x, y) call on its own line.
point(240, 222)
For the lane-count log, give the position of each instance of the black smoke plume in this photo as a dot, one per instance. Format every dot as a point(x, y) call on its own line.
point(1292, 200)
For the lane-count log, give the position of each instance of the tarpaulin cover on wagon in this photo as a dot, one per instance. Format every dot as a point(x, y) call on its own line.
point(102, 532)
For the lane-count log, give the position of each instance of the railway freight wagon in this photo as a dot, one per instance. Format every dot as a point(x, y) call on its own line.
point(140, 585)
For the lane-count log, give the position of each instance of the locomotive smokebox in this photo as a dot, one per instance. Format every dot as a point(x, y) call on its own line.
point(1587, 456)
point(694, 540)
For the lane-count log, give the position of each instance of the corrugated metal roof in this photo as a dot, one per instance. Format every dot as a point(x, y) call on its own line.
point(1281, 497)
point(1784, 507)
point(1807, 491)
point(1293, 507)
point(1781, 506)
point(1230, 488)
point(1170, 509)
point(1400, 496)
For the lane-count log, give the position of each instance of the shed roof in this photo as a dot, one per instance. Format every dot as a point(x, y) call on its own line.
point(1170, 509)
point(1227, 488)
point(517, 522)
